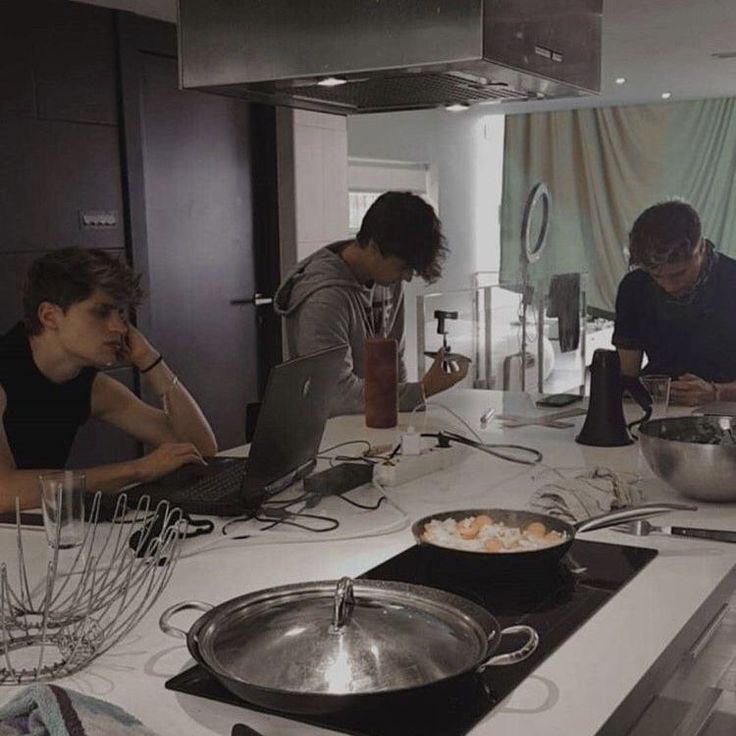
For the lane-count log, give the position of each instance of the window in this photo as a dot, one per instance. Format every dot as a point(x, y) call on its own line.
point(369, 178)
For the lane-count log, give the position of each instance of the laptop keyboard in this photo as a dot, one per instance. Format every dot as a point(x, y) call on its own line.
point(214, 488)
point(203, 483)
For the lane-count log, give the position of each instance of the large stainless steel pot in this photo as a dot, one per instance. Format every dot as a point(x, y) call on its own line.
point(488, 565)
point(329, 646)
point(695, 455)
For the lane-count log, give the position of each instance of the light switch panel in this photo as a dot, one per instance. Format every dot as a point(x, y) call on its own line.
point(97, 219)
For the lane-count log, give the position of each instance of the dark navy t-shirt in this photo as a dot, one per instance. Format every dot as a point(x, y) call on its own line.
point(677, 338)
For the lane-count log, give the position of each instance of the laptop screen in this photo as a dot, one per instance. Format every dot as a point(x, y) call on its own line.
point(292, 419)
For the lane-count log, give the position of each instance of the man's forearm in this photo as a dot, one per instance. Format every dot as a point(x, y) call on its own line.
point(24, 484)
point(185, 417)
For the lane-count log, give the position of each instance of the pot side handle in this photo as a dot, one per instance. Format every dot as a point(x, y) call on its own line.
point(518, 655)
point(167, 628)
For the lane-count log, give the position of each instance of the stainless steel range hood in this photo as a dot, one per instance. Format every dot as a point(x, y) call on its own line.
point(390, 54)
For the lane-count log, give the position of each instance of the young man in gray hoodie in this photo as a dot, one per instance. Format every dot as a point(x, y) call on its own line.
point(352, 289)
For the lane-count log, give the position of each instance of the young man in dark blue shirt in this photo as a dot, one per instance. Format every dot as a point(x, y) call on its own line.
point(678, 306)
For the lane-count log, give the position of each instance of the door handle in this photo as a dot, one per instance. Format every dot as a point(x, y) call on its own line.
point(258, 300)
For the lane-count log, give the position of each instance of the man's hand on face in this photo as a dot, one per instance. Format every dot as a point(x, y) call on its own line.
point(691, 390)
point(436, 379)
point(136, 349)
point(165, 458)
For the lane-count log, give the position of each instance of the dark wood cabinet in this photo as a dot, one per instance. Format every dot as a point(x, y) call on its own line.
point(52, 171)
point(17, 92)
point(74, 67)
point(58, 61)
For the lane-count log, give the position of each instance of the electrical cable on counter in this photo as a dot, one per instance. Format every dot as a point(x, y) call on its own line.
point(536, 455)
point(479, 444)
point(260, 537)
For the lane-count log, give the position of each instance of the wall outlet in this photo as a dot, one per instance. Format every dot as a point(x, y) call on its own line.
point(405, 468)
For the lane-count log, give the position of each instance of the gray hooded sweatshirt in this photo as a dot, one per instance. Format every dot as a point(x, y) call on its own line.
point(323, 305)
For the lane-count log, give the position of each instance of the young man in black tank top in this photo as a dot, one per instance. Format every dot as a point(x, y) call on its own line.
point(75, 303)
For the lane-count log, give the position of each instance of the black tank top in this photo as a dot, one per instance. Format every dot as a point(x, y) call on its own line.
point(41, 417)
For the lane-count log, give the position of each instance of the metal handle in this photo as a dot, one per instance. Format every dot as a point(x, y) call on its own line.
point(633, 513)
point(517, 655)
point(342, 604)
point(718, 535)
point(699, 713)
point(240, 729)
point(708, 633)
point(257, 299)
point(167, 628)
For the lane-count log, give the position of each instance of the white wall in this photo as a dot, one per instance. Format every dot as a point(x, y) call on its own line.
point(313, 182)
point(467, 151)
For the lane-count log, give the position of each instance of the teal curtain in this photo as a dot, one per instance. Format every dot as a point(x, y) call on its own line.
point(603, 166)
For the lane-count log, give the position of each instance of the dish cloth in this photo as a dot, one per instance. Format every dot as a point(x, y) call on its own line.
point(50, 710)
point(585, 494)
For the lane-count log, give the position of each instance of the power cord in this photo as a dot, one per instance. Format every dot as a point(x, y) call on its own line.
point(479, 444)
point(444, 438)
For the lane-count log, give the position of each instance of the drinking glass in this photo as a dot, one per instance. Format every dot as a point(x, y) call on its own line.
point(659, 389)
point(62, 503)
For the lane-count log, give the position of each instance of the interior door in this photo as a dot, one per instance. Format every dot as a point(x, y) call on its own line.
point(197, 174)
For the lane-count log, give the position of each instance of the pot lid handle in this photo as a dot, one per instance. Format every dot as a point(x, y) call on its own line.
point(342, 605)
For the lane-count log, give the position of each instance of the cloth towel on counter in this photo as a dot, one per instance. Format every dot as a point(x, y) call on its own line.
point(586, 494)
point(50, 710)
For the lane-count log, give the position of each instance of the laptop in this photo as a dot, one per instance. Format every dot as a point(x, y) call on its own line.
point(284, 448)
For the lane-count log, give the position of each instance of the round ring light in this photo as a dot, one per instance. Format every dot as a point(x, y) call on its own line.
point(538, 194)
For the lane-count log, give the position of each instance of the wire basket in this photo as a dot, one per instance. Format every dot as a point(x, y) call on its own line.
point(88, 598)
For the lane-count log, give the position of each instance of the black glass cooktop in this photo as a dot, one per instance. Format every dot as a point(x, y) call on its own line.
point(555, 604)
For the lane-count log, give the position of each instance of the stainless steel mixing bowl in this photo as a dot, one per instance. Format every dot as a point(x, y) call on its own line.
point(696, 455)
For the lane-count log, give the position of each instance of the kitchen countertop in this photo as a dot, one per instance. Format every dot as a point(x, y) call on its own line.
point(596, 682)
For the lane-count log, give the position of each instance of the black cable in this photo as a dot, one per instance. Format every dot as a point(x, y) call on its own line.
point(289, 515)
point(394, 452)
point(344, 444)
point(280, 516)
point(631, 425)
point(363, 506)
point(490, 449)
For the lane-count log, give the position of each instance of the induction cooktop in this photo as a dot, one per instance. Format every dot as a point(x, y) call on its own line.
point(556, 605)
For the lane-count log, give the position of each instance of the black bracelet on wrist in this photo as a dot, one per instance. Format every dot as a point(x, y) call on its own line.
point(153, 365)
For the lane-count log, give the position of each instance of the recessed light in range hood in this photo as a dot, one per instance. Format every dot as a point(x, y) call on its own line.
point(392, 54)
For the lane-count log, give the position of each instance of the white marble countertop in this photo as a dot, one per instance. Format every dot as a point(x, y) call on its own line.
point(588, 686)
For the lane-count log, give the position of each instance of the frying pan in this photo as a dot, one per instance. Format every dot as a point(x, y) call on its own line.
point(539, 561)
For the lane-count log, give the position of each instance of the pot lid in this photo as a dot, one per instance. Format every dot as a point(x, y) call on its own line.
point(345, 638)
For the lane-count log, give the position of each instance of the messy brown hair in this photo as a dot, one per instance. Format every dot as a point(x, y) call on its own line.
point(668, 232)
point(70, 275)
point(403, 225)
